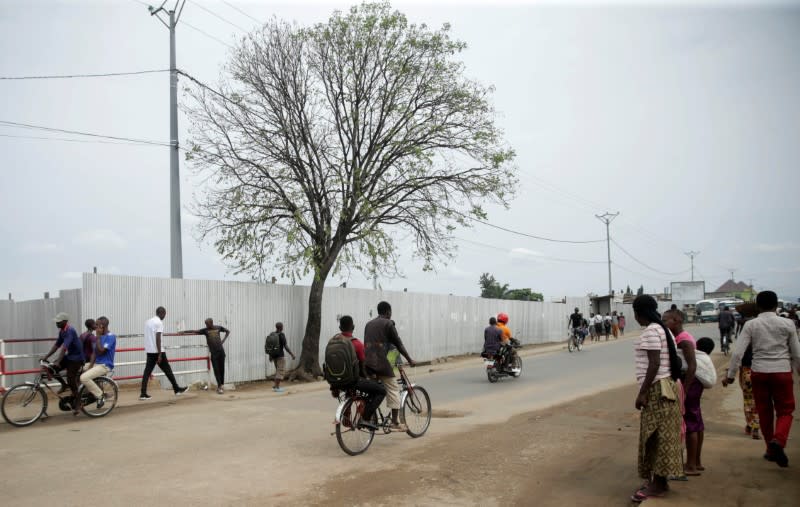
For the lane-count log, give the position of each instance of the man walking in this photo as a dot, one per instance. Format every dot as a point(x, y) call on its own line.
point(153, 329)
point(379, 333)
point(215, 349)
point(274, 346)
point(775, 346)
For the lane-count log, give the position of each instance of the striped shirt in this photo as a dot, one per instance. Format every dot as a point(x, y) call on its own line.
point(652, 338)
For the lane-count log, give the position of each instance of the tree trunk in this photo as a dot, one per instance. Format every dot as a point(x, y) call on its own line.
point(309, 367)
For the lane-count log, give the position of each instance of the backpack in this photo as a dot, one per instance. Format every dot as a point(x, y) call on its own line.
point(272, 345)
point(341, 368)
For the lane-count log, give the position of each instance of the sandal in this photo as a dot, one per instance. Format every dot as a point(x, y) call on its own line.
point(642, 495)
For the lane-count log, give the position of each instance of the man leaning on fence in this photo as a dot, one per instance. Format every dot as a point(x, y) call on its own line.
point(153, 330)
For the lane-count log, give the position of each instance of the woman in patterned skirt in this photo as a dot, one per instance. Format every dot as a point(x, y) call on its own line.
point(657, 368)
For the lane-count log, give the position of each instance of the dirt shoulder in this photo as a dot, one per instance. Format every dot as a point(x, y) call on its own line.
point(580, 453)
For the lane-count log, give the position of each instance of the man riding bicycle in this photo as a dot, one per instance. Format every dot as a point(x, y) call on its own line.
point(575, 325)
point(379, 333)
point(726, 323)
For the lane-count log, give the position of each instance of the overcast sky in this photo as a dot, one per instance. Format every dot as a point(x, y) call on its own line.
point(685, 119)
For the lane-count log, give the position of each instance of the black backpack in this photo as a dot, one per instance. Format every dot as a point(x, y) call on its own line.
point(272, 345)
point(341, 367)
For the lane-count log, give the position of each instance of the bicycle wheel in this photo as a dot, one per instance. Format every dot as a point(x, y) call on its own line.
point(352, 439)
point(24, 404)
point(578, 344)
point(570, 344)
point(89, 402)
point(416, 411)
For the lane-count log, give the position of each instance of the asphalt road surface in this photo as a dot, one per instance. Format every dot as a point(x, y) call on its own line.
point(253, 446)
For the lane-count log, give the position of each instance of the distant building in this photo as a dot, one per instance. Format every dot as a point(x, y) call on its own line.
point(733, 289)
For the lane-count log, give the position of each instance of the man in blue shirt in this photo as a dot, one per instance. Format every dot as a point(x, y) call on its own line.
point(102, 360)
point(70, 343)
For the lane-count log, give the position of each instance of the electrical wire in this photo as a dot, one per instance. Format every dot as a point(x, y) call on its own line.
point(242, 12)
point(206, 34)
point(544, 257)
point(645, 265)
point(219, 17)
point(525, 234)
point(73, 76)
point(99, 141)
point(77, 132)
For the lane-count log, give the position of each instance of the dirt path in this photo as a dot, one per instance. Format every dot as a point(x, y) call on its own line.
point(581, 453)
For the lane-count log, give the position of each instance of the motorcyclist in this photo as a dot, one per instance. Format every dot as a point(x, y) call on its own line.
point(492, 337)
point(506, 352)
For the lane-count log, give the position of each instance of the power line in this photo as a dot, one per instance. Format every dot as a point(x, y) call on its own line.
point(645, 265)
point(73, 76)
point(77, 132)
point(240, 11)
point(97, 141)
point(525, 234)
point(545, 257)
point(207, 34)
point(220, 17)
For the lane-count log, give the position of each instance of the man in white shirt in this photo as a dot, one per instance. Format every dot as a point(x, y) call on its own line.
point(775, 348)
point(153, 330)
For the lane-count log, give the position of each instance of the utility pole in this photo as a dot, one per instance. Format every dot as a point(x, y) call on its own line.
point(691, 256)
point(176, 249)
point(732, 271)
point(606, 218)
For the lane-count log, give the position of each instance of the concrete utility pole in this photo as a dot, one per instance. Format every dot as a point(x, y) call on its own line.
point(606, 218)
point(691, 256)
point(732, 270)
point(176, 249)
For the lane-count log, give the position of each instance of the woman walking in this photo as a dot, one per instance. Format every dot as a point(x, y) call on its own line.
point(622, 324)
point(657, 369)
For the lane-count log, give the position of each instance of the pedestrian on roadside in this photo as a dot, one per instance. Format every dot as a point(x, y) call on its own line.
point(775, 348)
point(215, 348)
point(657, 369)
point(693, 391)
point(615, 325)
point(274, 347)
point(102, 360)
point(592, 331)
point(156, 356)
point(598, 326)
point(70, 343)
point(621, 324)
point(607, 325)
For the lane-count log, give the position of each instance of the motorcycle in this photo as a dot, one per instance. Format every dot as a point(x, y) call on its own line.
point(505, 363)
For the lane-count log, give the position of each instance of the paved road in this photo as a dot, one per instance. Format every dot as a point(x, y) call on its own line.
point(256, 447)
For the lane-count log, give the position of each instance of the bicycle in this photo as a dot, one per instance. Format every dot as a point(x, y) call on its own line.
point(354, 438)
point(726, 343)
point(574, 342)
point(26, 403)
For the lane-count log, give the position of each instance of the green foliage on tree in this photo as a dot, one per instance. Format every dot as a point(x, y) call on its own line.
point(628, 291)
point(491, 289)
point(325, 144)
point(640, 290)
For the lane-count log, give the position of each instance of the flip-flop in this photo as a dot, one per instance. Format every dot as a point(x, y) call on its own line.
point(642, 495)
point(682, 478)
point(692, 474)
point(700, 469)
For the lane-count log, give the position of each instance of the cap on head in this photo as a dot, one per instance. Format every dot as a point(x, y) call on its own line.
point(61, 317)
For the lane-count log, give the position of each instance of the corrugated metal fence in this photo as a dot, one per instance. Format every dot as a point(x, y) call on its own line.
point(431, 325)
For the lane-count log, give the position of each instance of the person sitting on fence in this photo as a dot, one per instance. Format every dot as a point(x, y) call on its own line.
point(102, 360)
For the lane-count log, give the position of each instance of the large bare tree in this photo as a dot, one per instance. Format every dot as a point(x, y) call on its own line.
point(323, 143)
